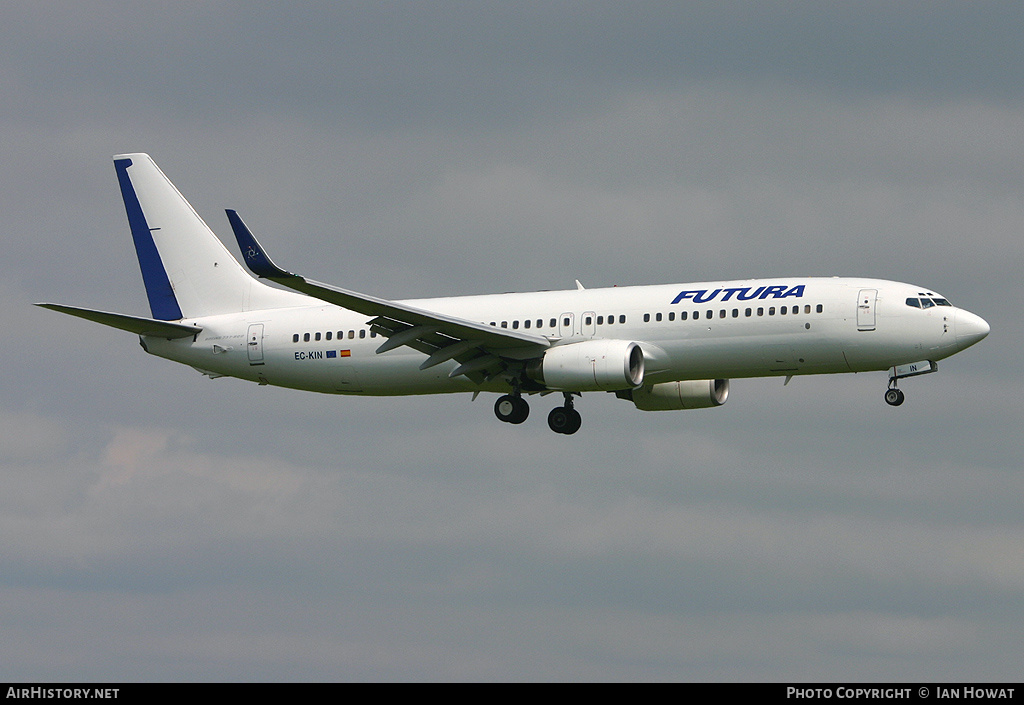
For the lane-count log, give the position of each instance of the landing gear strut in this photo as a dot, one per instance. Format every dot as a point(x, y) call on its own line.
point(565, 419)
point(511, 408)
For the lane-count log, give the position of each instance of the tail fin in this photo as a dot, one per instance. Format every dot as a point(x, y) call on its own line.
point(187, 271)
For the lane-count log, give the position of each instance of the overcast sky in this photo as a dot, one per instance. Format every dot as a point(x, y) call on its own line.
point(157, 525)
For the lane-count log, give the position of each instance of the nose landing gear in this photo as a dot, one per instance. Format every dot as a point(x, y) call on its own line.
point(894, 396)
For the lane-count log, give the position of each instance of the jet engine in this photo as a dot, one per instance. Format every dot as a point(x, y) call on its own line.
point(673, 396)
point(590, 366)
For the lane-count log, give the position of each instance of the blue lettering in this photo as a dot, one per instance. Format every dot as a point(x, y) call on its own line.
point(776, 291)
point(748, 297)
point(701, 299)
point(742, 293)
point(686, 295)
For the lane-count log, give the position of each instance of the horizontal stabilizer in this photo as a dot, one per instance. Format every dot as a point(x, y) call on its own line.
point(132, 324)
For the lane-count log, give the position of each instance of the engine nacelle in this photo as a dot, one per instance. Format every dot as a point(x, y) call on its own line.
point(590, 366)
point(673, 396)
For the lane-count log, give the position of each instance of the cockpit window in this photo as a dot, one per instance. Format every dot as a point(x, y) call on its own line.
point(924, 302)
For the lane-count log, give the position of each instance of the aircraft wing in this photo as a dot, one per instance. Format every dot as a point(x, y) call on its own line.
point(132, 324)
point(481, 350)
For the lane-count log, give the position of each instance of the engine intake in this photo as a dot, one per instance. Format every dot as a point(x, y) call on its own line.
point(590, 366)
point(673, 396)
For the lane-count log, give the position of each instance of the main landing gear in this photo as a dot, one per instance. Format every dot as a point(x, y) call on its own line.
point(565, 419)
point(512, 408)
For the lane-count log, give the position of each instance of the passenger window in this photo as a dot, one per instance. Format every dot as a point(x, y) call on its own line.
point(611, 320)
point(622, 319)
point(526, 323)
point(295, 338)
point(554, 322)
point(820, 308)
point(504, 324)
point(711, 314)
point(540, 323)
point(362, 333)
point(735, 313)
point(305, 337)
point(760, 311)
point(671, 315)
point(771, 310)
point(515, 325)
point(721, 314)
point(748, 312)
point(807, 308)
point(566, 322)
point(657, 317)
point(647, 318)
point(683, 315)
point(327, 336)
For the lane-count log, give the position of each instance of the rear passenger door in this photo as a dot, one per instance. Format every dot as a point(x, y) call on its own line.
point(254, 343)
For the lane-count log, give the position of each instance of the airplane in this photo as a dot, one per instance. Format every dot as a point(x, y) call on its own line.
point(661, 347)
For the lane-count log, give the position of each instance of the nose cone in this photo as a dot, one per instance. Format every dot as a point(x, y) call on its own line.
point(969, 329)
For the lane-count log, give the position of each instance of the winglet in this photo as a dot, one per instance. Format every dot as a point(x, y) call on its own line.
point(255, 259)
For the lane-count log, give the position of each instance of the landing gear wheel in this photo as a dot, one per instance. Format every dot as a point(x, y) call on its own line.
point(511, 409)
point(575, 421)
point(894, 397)
point(565, 420)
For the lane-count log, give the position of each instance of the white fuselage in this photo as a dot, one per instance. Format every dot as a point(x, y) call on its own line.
point(664, 348)
point(750, 328)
